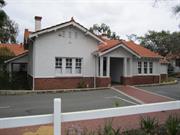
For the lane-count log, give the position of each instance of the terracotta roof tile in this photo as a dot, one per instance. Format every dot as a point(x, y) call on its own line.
point(17, 49)
point(142, 51)
point(138, 49)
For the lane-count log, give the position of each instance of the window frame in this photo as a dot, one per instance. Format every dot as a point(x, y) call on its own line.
point(150, 67)
point(139, 67)
point(145, 68)
point(78, 65)
point(58, 64)
point(69, 65)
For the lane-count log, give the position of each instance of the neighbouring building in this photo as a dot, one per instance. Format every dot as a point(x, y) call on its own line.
point(174, 60)
point(67, 54)
point(19, 61)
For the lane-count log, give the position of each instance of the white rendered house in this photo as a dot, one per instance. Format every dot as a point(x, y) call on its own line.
point(68, 54)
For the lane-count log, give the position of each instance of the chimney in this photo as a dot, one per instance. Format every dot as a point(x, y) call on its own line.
point(37, 23)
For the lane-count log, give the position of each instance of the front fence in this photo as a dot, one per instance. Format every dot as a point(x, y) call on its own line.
point(57, 117)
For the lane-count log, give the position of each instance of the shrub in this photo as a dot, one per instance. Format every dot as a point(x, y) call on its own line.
point(18, 81)
point(108, 129)
point(148, 125)
point(82, 84)
point(134, 132)
point(173, 125)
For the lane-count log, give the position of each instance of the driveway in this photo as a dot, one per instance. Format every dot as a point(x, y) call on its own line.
point(172, 91)
point(34, 104)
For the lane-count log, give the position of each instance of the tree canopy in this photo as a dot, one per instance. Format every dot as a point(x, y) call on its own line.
point(5, 54)
point(162, 42)
point(8, 28)
point(103, 29)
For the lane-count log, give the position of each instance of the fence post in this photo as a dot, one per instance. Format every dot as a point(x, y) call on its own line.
point(57, 116)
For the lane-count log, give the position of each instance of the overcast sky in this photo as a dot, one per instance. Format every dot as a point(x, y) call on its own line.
point(123, 16)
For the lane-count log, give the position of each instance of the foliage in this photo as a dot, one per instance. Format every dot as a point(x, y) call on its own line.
point(8, 28)
point(82, 84)
point(108, 129)
point(134, 132)
point(173, 125)
point(9, 31)
point(162, 42)
point(176, 9)
point(5, 54)
point(148, 125)
point(3, 15)
point(103, 29)
point(18, 81)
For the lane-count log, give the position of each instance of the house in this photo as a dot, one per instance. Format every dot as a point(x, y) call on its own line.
point(174, 60)
point(17, 63)
point(68, 54)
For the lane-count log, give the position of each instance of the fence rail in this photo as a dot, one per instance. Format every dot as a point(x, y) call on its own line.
point(57, 118)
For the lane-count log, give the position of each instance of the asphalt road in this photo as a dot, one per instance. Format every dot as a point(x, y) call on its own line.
point(172, 91)
point(21, 105)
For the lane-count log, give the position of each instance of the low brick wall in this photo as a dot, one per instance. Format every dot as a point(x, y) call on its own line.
point(140, 80)
point(164, 77)
point(103, 81)
point(69, 82)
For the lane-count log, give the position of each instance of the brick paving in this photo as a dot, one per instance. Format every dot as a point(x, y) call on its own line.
point(142, 95)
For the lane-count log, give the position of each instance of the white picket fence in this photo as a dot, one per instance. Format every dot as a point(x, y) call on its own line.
point(57, 117)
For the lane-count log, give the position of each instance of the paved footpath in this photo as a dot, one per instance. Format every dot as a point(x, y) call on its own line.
point(142, 95)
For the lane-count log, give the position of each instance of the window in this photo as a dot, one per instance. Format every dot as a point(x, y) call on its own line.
point(150, 67)
point(139, 67)
point(58, 65)
point(177, 62)
point(78, 66)
point(145, 67)
point(69, 65)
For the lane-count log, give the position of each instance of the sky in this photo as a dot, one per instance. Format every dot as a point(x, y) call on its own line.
point(125, 17)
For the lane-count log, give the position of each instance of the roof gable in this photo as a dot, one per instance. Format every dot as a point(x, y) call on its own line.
point(132, 47)
point(66, 24)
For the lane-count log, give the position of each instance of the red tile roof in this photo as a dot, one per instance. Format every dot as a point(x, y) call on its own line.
point(17, 49)
point(138, 49)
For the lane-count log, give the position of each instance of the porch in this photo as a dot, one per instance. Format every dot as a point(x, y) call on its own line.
point(115, 68)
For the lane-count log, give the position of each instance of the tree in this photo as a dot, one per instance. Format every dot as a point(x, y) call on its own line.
point(103, 29)
point(5, 54)
point(3, 15)
point(162, 42)
point(132, 37)
point(8, 28)
point(9, 32)
point(176, 9)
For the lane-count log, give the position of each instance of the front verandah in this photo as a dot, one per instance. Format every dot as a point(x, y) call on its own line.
point(115, 68)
